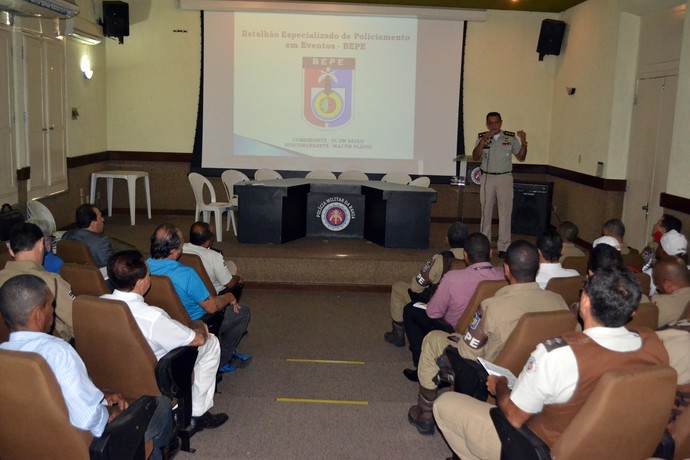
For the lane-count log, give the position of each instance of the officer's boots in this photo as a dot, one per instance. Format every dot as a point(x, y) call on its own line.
point(397, 335)
point(421, 415)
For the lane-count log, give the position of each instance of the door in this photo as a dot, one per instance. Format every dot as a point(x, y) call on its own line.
point(650, 146)
point(36, 129)
point(55, 117)
point(8, 183)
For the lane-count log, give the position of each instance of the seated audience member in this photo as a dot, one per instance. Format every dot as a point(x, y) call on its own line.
point(568, 232)
point(608, 240)
point(493, 324)
point(550, 248)
point(547, 404)
point(673, 289)
point(672, 244)
point(51, 262)
point(676, 339)
point(429, 276)
point(615, 229)
point(27, 248)
point(452, 296)
point(90, 232)
point(666, 223)
point(166, 248)
point(130, 277)
point(26, 304)
point(224, 279)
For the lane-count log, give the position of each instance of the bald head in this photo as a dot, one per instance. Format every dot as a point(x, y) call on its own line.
point(670, 274)
point(166, 242)
point(201, 233)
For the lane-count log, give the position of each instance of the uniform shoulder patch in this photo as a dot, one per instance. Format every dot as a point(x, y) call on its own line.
point(552, 344)
point(481, 134)
point(509, 133)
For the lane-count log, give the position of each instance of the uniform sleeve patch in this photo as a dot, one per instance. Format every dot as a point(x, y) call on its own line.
point(475, 337)
point(531, 366)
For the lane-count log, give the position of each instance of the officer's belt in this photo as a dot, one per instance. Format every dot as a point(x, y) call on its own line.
point(495, 174)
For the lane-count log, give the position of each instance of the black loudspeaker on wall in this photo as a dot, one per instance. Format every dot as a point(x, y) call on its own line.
point(550, 37)
point(116, 19)
point(531, 207)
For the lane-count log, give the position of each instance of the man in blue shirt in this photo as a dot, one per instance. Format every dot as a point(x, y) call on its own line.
point(166, 249)
point(26, 305)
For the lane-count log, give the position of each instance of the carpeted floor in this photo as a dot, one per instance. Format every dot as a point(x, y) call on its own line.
point(369, 420)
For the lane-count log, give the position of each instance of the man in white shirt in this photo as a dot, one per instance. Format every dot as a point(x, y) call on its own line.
point(550, 248)
point(130, 277)
point(223, 273)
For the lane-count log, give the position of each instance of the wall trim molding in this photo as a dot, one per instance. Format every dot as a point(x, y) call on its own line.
point(609, 185)
point(675, 203)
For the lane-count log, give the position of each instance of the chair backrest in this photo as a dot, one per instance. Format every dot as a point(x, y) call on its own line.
point(267, 174)
point(230, 177)
point(485, 289)
point(647, 315)
point(4, 258)
point(194, 261)
point(397, 178)
point(34, 418)
point(4, 331)
point(620, 420)
point(163, 295)
point(75, 252)
point(576, 263)
point(421, 181)
point(115, 352)
point(198, 182)
point(568, 287)
point(531, 330)
point(645, 282)
point(352, 175)
point(634, 260)
point(320, 174)
point(84, 279)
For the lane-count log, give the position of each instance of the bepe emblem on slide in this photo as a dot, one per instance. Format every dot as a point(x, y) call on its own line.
point(328, 91)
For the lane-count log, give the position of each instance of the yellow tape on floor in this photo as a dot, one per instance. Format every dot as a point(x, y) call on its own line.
point(322, 401)
point(324, 361)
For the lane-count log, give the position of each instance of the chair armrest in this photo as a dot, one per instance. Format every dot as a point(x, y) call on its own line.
point(518, 443)
point(123, 438)
point(214, 321)
point(174, 372)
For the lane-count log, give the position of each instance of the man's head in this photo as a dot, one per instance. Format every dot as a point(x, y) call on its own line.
point(614, 228)
point(128, 272)
point(26, 243)
point(47, 237)
point(603, 255)
point(672, 244)
point(521, 262)
point(26, 304)
point(610, 297)
point(665, 224)
point(89, 217)
point(568, 231)
point(456, 235)
point(550, 246)
point(477, 248)
point(493, 122)
point(670, 274)
point(201, 234)
point(166, 242)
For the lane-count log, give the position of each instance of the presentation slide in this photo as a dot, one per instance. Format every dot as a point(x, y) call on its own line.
point(317, 91)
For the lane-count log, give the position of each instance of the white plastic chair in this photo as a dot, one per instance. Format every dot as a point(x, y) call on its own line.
point(198, 182)
point(353, 175)
point(319, 174)
point(421, 181)
point(266, 174)
point(230, 178)
point(397, 178)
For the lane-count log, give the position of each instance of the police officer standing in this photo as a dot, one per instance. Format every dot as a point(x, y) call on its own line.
point(495, 147)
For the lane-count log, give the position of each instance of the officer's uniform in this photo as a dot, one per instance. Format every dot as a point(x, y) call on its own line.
point(493, 324)
point(429, 274)
point(671, 306)
point(497, 184)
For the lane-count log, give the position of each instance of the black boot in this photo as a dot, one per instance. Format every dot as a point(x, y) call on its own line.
point(421, 415)
point(397, 335)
